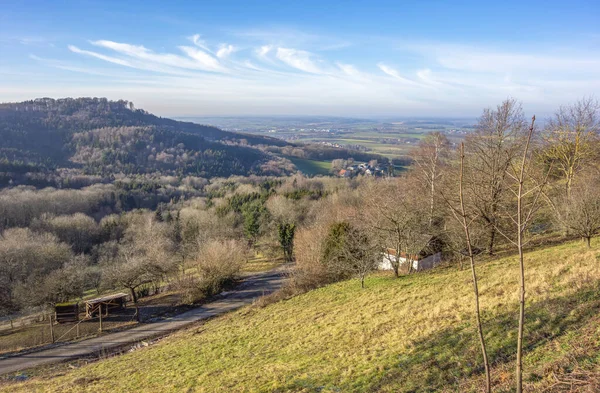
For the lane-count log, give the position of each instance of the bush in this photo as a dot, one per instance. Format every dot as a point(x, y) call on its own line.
point(219, 263)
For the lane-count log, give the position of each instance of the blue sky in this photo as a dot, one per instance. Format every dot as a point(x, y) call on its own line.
point(348, 58)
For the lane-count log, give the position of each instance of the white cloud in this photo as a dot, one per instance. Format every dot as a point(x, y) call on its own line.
point(110, 59)
point(264, 50)
point(225, 50)
point(196, 60)
point(395, 74)
point(298, 59)
point(348, 69)
point(200, 43)
point(203, 59)
point(280, 77)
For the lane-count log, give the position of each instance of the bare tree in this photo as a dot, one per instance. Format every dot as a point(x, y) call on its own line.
point(349, 252)
point(490, 152)
point(431, 159)
point(526, 190)
point(396, 212)
point(132, 272)
point(583, 208)
point(466, 219)
point(572, 145)
point(572, 138)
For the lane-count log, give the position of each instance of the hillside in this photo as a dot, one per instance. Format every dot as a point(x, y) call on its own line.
point(413, 334)
point(101, 136)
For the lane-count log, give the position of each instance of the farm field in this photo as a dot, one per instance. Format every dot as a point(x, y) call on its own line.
point(390, 138)
point(311, 167)
point(415, 333)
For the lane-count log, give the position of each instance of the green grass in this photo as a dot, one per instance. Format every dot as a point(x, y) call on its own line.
point(413, 334)
point(311, 167)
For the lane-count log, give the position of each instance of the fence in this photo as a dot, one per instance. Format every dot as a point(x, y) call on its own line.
point(45, 330)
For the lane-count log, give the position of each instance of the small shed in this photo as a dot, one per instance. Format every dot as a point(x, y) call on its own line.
point(66, 312)
point(105, 304)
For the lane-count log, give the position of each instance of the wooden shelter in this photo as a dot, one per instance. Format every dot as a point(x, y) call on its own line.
point(105, 304)
point(66, 312)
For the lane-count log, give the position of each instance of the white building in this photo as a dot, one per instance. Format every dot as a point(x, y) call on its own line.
point(428, 257)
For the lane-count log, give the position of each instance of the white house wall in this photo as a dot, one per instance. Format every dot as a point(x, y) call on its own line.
point(423, 264)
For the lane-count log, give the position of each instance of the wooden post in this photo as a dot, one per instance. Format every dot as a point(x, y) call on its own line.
point(11, 324)
point(77, 330)
point(100, 315)
point(51, 329)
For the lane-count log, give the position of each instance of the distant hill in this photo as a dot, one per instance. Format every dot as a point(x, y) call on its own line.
point(100, 136)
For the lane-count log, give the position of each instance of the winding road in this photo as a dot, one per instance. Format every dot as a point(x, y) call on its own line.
point(251, 288)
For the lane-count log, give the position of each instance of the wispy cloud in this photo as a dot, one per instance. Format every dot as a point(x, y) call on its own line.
point(298, 59)
point(110, 59)
point(225, 50)
point(261, 71)
point(196, 60)
point(199, 42)
point(395, 74)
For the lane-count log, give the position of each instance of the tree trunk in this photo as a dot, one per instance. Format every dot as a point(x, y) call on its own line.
point(521, 297)
point(133, 295)
point(473, 273)
point(492, 240)
point(589, 241)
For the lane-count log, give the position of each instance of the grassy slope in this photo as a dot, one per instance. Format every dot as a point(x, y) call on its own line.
point(397, 335)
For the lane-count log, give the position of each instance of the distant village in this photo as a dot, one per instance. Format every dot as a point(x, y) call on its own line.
point(371, 168)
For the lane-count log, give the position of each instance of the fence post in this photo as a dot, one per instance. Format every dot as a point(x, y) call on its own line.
point(51, 329)
point(100, 314)
point(77, 330)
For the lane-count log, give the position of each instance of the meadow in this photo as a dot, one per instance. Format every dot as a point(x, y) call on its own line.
point(412, 334)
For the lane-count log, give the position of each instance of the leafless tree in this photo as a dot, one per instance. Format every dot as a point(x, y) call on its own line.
point(583, 207)
point(572, 137)
point(526, 189)
point(431, 160)
point(131, 272)
point(466, 219)
point(572, 144)
point(396, 213)
point(359, 253)
point(490, 151)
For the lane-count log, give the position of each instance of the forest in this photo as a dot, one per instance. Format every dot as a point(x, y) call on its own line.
point(47, 142)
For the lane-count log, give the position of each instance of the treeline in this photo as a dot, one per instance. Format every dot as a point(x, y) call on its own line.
point(19, 206)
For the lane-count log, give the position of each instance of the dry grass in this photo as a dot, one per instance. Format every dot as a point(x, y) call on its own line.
point(398, 335)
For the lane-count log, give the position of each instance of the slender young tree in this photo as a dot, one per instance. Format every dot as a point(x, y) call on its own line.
point(466, 222)
point(526, 190)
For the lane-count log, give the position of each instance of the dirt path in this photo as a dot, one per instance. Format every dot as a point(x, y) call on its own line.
point(251, 288)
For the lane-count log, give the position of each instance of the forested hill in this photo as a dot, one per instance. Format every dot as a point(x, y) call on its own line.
point(99, 136)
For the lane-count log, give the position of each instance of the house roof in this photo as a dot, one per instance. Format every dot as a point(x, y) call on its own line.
point(106, 298)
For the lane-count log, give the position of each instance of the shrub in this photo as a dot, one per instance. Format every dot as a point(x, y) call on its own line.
point(219, 263)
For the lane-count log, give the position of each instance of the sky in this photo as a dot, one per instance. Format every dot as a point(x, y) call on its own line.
point(339, 58)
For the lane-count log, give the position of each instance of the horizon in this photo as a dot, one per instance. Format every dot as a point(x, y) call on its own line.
point(358, 60)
